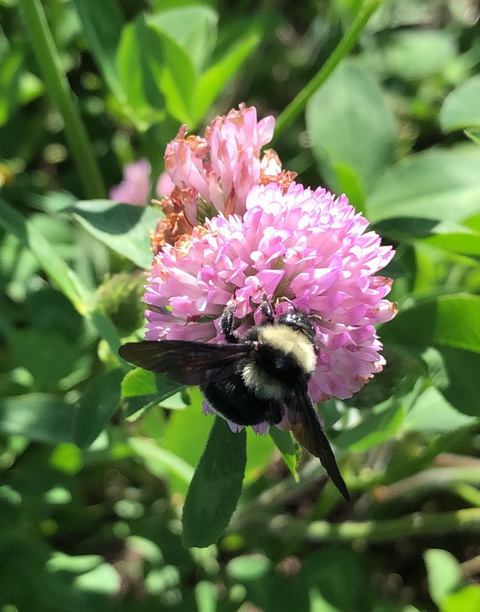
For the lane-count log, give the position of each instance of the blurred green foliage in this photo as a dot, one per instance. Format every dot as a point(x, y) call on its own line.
point(96, 458)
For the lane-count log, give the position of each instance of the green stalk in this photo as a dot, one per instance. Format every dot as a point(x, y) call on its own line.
point(430, 481)
point(297, 105)
point(60, 93)
point(418, 524)
point(468, 493)
point(408, 526)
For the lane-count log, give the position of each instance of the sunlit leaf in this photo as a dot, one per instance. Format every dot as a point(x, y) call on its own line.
point(444, 575)
point(450, 320)
point(432, 413)
point(338, 120)
point(122, 227)
point(160, 461)
point(194, 28)
point(436, 184)
point(175, 76)
point(466, 600)
point(138, 382)
point(287, 447)
point(460, 109)
point(140, 58)
point(215, 79)
point(248, 567)
point(259, 453)
point(206, 596)
point(374, 429)
point(418, 54)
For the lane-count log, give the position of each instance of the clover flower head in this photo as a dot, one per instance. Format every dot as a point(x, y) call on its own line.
point(307, 246)
point(216, 172)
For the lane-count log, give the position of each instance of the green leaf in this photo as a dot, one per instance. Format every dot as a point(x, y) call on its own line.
point(419, 54)
point(381, 424)
point(166, 387)
point(12, 68)
point(102, 23)
point(444, 575)
point(215, 79)
point(288, 449)
point(40, 417)
point(103, 579)
point(462, 390)
point(176, 77)
point(349, 182)
point(436, 184)
point(140, 59)
point(186, 434)
point(107, 330)
point(465, 600)
point(53, 359)
point(161, 462)
point(338, 121)
point(461, 108)
point(96, 406)
point(93, 574)
point(65, 279)
point(431, 413)
point(449, 320)
point(248, 567)
point(122, 227)
point(455, 238)
point(67, 458)
point(216, 486)
point(138, 382)
point(259, 453)
point(163, 580)
point(446, 235)
point(206, 596)
point(340, 576)
point(194, 28)
point(143, 389)
point(60, 562)
point(474, 135)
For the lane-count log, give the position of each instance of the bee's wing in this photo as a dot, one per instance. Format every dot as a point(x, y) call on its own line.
point(183, 361)
point(310, 435)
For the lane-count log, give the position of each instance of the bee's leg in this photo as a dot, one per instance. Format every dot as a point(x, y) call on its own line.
point(226, 323)
point(267, 309)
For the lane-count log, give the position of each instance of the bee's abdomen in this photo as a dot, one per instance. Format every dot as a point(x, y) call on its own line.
point(239, 403)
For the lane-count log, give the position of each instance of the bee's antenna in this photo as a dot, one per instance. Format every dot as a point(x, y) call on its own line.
point(284, 298)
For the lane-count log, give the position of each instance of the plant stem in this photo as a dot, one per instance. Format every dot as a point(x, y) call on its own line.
point(297, 105)
point(408, 526)
point(429, 481)
point(60, 93)
point(468, 493)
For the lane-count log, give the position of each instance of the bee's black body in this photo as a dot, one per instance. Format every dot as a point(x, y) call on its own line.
point(252, 379)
